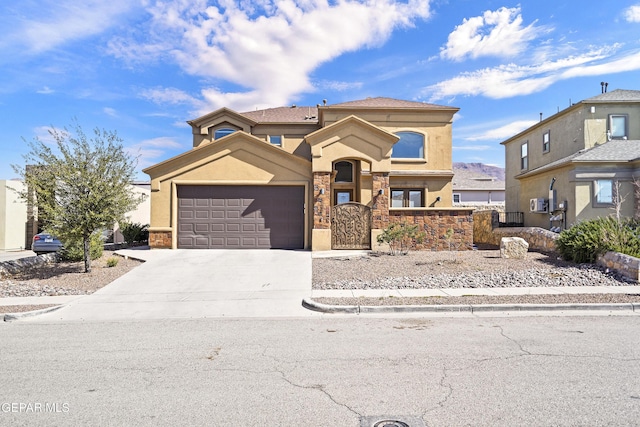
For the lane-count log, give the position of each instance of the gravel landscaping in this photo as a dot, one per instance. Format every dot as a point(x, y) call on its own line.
point(64, 278)
point(466, 269)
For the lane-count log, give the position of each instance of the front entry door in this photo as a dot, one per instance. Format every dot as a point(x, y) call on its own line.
point(350, 226)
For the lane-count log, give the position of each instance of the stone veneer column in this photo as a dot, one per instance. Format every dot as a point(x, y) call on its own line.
point(322, 202)
point(380, 205)
point(160, 239)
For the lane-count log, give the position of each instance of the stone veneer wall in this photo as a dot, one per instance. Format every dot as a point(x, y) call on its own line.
point(435, 224)
point(160, 239)
point(626, 265)
point(322, 202)
point(486, 231)
point(380, 205)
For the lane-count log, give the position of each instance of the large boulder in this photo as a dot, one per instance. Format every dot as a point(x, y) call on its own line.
point(513, 247)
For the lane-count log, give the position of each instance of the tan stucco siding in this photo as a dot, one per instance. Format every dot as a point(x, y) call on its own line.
point(236, 162)
point(538, 187)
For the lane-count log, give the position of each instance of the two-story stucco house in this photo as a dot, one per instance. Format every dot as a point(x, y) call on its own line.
point(576, 164)
point(320, 178)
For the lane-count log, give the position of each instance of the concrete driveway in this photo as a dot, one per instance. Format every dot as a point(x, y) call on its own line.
point(200, 284)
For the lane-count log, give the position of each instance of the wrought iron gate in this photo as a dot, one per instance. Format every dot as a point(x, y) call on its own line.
point(351, 226)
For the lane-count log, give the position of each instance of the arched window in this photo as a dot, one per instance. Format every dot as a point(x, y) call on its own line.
point(344, 171)
point(410, 146)
point(219, 133)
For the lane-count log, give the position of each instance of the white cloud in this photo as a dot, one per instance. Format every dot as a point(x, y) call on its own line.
point(503, 132)
point(42, 26)
point(169, 95)
point(632, 14)
point(46, 90)
point(511, 80)
point(471, 147)
point(268, 48)
point(149, 151)
point(495, 33)
point(110, 111)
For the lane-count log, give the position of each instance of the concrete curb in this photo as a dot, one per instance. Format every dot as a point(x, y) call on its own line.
point(10, 317)
point(471, 309)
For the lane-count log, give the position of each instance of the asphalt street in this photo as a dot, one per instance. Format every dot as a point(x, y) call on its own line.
point(340, 371)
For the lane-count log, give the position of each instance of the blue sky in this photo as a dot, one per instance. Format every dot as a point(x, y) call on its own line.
point(144, 67)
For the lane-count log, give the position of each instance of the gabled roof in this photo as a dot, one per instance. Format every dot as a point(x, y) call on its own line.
point(614, 151)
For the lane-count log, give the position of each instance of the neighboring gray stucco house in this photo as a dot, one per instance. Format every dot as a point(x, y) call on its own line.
point(576, 164)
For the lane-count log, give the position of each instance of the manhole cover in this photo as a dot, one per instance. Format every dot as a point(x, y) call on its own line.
point(391, 421)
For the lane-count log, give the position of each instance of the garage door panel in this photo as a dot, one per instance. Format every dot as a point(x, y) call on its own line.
point(241, 216)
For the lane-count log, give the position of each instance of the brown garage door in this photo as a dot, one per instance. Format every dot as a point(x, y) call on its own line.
point(240, 217)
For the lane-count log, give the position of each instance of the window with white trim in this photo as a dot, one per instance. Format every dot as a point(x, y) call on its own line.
point(407, 198)
point(524, 156)
point(410, 146)
point(456, 197)
point(546, 141)
point(275, 140)
point(222, 132)
point(618, 126)
point(603, 192)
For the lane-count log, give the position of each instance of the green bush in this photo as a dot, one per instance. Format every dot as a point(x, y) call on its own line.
point(586, 240)
point(112, 261)
point(74, 250)
point(134, 232)
point(401, 237)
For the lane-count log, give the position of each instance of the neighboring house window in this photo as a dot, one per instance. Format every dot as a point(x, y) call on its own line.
point(618, 126)
point(524, 156)
point(275, 140)
point(546, 141)
point(220, 133)
point(410, 146)
point(603, 192)
point(406, 198)
point(344, 171)
point(456, 197)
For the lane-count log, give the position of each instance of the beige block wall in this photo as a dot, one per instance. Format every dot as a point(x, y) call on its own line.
point(13, 217)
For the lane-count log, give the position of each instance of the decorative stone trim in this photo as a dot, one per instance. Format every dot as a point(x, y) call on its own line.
point(160, 239)
point(380, 206)
point(322, 202)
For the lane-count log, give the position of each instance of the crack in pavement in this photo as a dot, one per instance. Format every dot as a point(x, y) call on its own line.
point(440, 404)
point(320, 388)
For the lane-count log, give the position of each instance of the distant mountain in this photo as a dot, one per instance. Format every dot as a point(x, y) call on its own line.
point(480, 169)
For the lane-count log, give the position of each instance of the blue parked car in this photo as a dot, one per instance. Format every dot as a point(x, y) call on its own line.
point(44, 243)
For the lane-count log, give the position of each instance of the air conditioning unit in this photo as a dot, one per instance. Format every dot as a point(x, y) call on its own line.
point(537, 205)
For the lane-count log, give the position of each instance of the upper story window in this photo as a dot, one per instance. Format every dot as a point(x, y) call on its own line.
point(344, 171)
point(524, 156)
point(219, 133)
point(456, 197)
point(546, 141)
point(275, 140)
point(410, 146)
point(618, 126)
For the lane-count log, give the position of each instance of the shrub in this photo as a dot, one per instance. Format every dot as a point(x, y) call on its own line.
point(401, 237)
point(74, 251)
point(112, 261)
point(586, 240)
point(134, 232)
